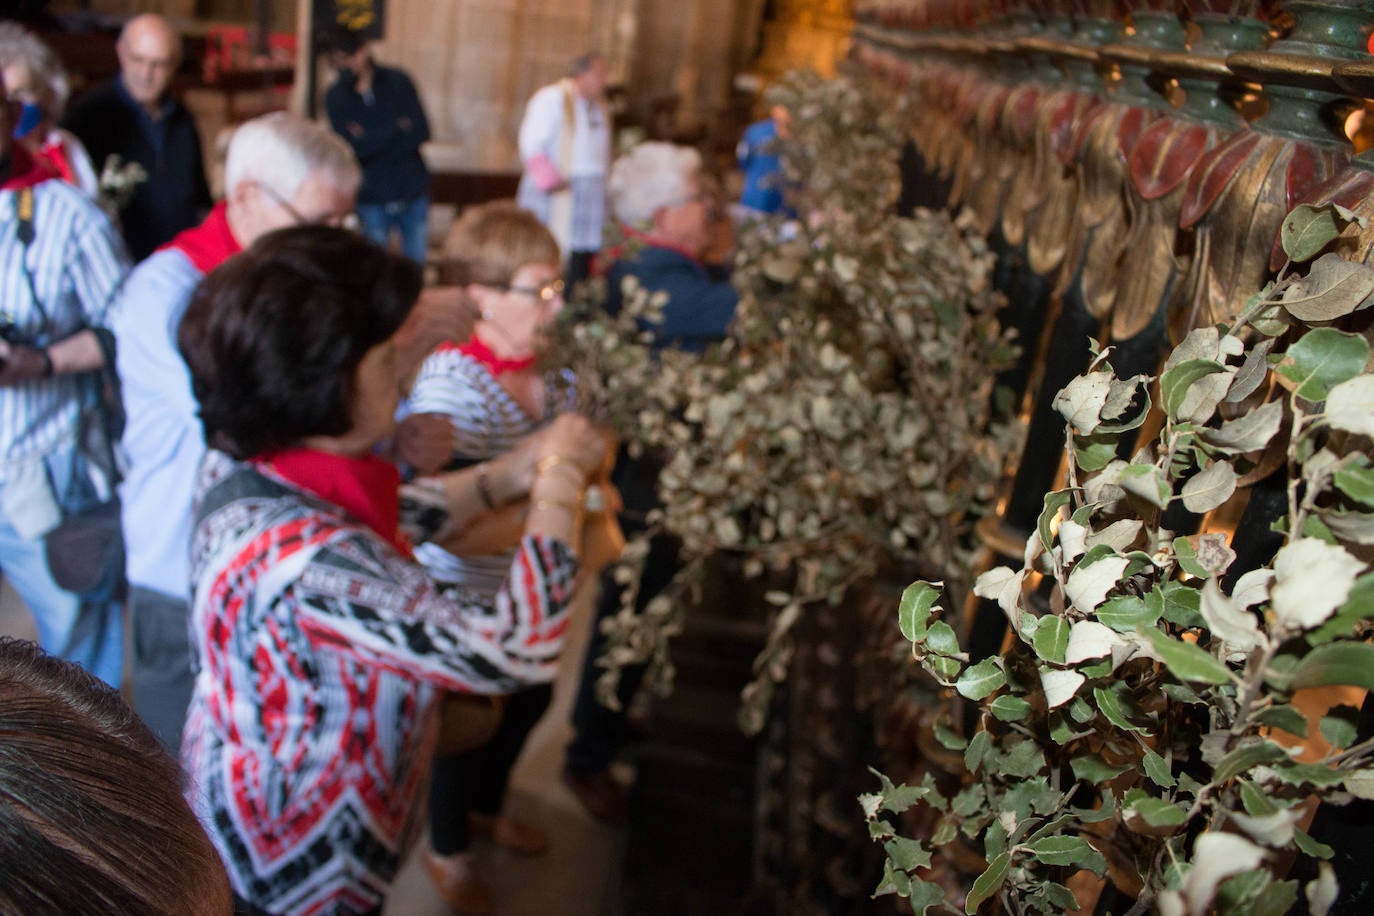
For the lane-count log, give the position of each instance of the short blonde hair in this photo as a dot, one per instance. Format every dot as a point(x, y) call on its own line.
point(491, 241)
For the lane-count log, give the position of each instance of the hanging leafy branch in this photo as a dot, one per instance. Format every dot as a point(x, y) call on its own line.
point(844, 428)
point(1141, 724)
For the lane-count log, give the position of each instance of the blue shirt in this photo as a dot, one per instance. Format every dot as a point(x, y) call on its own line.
point(757, 154)
point(699, 306)
point(163, 438)
point(76, 262)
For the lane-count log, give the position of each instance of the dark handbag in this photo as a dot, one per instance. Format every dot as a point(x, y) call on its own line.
point(85, 552)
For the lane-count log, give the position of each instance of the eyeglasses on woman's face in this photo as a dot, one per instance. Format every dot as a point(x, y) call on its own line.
point(545, 293)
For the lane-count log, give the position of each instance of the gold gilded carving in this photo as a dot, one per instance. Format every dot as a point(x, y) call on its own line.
point(1050, 218)
point(1102, 228)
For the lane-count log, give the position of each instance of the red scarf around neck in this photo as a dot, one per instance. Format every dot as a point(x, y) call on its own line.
point(367, 488)
point(56, 154)
point(208, 245)
point(476, 348)
point(26, 170)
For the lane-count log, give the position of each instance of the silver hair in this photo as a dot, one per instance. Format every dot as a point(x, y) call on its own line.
point(281, 150)
point(49, 76)
point(649, 177)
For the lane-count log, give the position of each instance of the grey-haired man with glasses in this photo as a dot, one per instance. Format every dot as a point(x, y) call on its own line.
point(280, 170)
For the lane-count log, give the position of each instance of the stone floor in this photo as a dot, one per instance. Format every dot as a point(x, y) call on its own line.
point(578, 876)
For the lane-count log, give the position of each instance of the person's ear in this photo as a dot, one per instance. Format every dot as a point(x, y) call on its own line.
point(244, 195)
point(481, 296)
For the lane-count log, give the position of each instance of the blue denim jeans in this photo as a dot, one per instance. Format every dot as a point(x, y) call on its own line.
point(89, 632)
point(410, 218)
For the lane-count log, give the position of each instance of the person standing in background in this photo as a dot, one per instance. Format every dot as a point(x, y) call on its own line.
point(135, 118)
point(377, 110)
point(565, 146)
point(758, 158)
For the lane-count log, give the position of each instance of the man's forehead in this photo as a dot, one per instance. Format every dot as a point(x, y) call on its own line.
point(152, 44)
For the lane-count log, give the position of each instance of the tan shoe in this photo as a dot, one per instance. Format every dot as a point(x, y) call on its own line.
point(458, 883)
point(517, 836)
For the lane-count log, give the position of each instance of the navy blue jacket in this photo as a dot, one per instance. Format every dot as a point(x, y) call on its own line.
point(699, 306)
point(176, 196)
point(385, 129)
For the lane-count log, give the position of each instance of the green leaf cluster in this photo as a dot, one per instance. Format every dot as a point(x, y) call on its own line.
point(1145, 712)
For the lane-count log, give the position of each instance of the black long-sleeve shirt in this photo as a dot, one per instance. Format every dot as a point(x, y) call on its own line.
point(385, 127)
point(176, 195)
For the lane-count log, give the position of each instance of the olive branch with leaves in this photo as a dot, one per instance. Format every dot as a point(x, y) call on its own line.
point(1142, 725)
point(844, 429)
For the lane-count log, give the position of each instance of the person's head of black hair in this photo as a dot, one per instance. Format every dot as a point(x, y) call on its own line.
point(274, 336)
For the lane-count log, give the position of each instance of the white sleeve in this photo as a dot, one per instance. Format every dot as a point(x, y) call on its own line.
point(80, 160)
point(542, 122)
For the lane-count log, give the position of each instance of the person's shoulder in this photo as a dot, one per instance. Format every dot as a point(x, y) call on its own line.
point(656, 256)
point(388, 72)
point(338, 91)
point(63, 203)
point(758, 129)
point(177, 110)
point(163, 278)
point(99, 98)
point(546, 93)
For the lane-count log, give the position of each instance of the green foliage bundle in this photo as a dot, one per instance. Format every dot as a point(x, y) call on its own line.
point(1132, 727)
point(844, 426)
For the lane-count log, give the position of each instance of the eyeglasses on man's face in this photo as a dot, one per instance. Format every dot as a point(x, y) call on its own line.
point(347, 221)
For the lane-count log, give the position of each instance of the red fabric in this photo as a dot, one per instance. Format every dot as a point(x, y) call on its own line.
point(367, 488)
point(208, 245)
point(477, 349)
point(26, 171)
point(56, 155)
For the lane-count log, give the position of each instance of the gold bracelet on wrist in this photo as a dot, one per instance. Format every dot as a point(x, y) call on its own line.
point(549, 462)
point(570, 506)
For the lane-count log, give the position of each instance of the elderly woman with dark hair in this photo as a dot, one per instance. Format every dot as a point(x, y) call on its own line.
point(91, 814)
point(322, 644)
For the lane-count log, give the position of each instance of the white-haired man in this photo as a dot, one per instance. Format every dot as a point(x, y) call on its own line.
point(280, 170)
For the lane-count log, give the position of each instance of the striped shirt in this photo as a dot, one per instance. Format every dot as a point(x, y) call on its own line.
point(488, 423)
point(74, 265)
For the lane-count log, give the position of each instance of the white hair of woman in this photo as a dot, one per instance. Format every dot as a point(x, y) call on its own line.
point(48, 76)
point(280, 150)
point(649, 177)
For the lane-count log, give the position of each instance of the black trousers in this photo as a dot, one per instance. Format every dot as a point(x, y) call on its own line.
point(476, 780)
point(598, 731)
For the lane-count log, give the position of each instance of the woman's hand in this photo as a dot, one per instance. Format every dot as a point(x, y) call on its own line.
point(577, 441)
point(425, 441)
